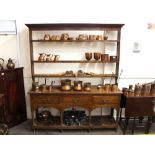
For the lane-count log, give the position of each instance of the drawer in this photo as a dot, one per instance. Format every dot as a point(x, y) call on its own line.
point(139, 106)
point(106, 99)
point(76, 99)
point(45, 99)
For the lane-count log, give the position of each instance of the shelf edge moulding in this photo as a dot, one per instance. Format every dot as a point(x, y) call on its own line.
point(8, 27)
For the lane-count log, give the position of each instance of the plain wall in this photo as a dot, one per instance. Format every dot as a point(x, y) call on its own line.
point(137, 67)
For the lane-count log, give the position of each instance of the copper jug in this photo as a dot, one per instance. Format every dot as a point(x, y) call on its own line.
point(152, 91)
point(114, 88)
point(130, 90)
point(42, 57)
point(107, 87)
point(49, 57)
point(10, 64)
point(1, 63)
point(137, 90)
point(145, 90)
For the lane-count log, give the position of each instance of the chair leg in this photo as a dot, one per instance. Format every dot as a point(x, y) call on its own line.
point(153, 119)
point(133, 125)
point(125, 125)
point(120, 116)
point(148, 125)
point(141, 119)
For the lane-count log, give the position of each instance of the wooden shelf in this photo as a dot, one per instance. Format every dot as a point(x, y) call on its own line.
point(86, 76)
point(110, 41)
point(61, 100)
point(74, 26)
point(74, 61)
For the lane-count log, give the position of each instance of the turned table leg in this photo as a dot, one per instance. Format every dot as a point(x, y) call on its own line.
point(126, 124)
point(133, 125)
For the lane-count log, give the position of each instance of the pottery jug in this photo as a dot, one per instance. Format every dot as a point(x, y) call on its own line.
point(1, 63)
point(10, 64)
point(42, 57)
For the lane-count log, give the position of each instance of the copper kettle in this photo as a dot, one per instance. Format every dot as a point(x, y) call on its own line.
point(1, 63)
point(10, 64)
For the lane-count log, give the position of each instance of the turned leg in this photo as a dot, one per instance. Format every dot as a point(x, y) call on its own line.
point(133, 125)
point(153, 118)
point(125, 125)
point(148, 125)
point(141, 119)
point(120, 116)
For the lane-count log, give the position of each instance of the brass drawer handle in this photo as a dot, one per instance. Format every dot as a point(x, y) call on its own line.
point(44, 101)
point(105, 101)
point(75, 100)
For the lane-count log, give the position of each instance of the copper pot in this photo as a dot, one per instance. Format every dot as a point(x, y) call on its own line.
point(107, 87)
point(97, 56)
point(87, 86)
point(43, 88)
point(105, 37)
point(88, 56)
point(78, 85)
point(44, 116)
point(113, 58)
point(66, 84)
point(104, 57)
